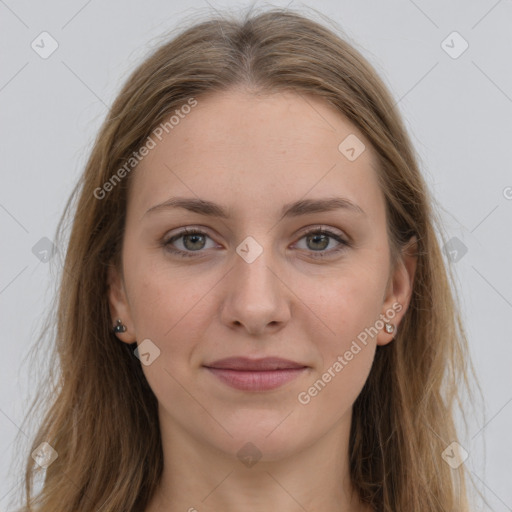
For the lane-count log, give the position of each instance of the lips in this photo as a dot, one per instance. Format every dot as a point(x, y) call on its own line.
point(255, 374)
point(255, 365)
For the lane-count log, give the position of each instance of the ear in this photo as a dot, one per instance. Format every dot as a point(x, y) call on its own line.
point(118, 303)
point(399, 290)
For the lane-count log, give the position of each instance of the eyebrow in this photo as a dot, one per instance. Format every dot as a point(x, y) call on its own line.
point(301, 207)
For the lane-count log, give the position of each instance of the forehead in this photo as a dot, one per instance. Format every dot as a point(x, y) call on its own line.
point(236, 144)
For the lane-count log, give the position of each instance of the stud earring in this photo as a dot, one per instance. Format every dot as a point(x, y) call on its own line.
point(120, 327)
point(390, 328)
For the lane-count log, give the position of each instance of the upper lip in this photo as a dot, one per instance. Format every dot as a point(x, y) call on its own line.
point(246, 364)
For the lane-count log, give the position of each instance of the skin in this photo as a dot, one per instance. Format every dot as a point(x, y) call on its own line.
point(253, 154)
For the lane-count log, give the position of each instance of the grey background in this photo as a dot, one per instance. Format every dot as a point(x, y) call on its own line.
point(458, 112)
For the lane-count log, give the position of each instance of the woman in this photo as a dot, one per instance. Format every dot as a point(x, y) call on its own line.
point(255, 313)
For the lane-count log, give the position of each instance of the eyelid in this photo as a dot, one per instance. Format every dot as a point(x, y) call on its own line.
point(344, 242)
point(303, 231)
point(323, 227)
point(168, 238)
point(343, 239)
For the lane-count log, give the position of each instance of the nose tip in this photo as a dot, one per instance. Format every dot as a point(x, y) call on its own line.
point(256, 329)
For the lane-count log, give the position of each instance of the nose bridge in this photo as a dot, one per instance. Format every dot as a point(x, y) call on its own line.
point(255, 297)
point(252, 267)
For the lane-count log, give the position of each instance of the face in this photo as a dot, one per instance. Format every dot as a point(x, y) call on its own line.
point(281, 274)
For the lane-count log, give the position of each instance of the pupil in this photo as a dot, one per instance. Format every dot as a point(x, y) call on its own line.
point(325, 239)
point(188, 237)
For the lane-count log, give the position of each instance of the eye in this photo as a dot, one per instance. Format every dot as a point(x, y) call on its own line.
point(319, 239)
point(192, 241)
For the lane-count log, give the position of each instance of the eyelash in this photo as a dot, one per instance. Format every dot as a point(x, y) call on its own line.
point(166, 244)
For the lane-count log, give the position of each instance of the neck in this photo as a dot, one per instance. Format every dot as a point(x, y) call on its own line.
point(201, 478)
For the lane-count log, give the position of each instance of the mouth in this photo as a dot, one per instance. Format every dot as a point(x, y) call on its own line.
point(255, 374)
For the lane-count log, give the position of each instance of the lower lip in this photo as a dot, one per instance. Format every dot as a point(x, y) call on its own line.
point(256, 380)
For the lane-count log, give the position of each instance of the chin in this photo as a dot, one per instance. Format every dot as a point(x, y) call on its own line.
point(264, 439)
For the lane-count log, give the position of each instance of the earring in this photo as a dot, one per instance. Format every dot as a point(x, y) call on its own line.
point(120, 327)
point(390, 328)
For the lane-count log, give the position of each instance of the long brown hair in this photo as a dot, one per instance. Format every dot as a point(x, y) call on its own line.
point(102, 417)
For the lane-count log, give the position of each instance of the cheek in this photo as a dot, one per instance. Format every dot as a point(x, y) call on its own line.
point(164, 299)
point(347, 301)
point(350, 307)
point(331, 394)
point(173, 311)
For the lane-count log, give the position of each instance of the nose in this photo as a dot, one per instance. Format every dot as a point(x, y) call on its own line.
point(256, 299)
